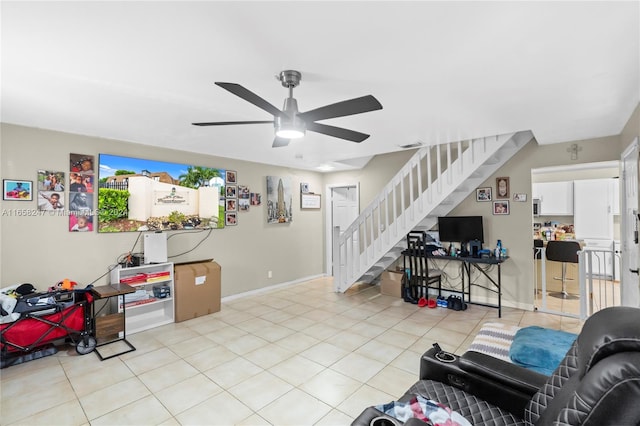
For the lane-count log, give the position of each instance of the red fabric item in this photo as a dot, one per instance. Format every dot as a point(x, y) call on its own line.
point(26, 332)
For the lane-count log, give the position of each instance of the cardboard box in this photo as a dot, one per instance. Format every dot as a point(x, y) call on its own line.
point(391, 283)
point(197, 289)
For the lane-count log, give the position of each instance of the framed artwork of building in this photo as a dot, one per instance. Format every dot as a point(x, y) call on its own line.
point(279, 199)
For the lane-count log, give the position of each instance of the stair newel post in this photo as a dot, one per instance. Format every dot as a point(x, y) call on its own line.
point(338, 280)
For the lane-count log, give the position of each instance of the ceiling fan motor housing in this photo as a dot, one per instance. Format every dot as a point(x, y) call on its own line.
point(290, 78)
point(289, 121)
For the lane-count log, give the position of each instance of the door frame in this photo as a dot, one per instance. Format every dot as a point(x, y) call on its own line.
point(328, 233)
point(543, 307)
point(628, 281)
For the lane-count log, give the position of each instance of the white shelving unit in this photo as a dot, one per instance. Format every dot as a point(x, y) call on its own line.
point(150, 311)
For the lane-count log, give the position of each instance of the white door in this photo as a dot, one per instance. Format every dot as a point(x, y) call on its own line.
point(345, 208)
point(629, 291)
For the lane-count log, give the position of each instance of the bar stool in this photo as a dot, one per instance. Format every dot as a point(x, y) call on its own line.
point(565, 252)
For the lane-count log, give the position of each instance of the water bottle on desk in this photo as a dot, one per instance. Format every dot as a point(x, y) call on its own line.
point(498, 252)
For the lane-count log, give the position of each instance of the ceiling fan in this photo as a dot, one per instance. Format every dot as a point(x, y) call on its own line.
point(292, 124)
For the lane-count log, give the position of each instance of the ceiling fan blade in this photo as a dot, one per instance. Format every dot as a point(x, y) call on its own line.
point(251, 97)
point(341, 109)
point(278, 142)
point(337, 132)
point(228, 123)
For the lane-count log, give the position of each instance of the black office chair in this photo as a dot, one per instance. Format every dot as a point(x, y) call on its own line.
point(421, 277)
point(565, 252)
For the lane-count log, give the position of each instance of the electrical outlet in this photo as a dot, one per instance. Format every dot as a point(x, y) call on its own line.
point(270, 274)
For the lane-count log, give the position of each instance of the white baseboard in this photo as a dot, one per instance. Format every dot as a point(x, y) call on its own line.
point(270, 288)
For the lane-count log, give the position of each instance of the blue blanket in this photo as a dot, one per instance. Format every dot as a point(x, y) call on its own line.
point(540, 349)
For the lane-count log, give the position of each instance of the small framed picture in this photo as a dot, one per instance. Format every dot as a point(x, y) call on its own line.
point(50, 200)
point(243, 191)
point(231, 176)
point(310, 201)
point(17, 190)
point(304, 187)
point(483, 194)
point(231, 205)
point(81, 163)
point(520, 197)
point(231, 191)
point(502, 187)
point(50, 181)
point(231, 218)
point(243, 204)
point(501, 207)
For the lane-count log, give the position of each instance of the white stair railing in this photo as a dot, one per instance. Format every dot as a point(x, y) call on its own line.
point(414, 193)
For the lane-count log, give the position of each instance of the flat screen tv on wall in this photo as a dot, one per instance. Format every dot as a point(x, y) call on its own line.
point(136, 194)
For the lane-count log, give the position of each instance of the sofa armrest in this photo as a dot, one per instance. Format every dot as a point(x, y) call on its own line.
point(494, 387)
point(511, 375)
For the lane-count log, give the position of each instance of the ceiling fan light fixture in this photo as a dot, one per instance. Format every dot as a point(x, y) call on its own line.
point(290, 128)
point(290, 133)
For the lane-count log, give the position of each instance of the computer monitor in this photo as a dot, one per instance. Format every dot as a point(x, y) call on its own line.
point(460, 229)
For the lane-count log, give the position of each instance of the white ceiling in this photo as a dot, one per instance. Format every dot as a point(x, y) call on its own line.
point(143, 71)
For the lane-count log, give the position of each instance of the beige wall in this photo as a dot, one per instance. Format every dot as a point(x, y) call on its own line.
point(372, 177)
point(41, 251)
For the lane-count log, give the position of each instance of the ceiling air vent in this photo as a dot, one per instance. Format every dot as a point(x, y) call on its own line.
point(411, 145)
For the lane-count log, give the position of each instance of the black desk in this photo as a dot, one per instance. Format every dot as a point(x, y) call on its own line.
point(477, 263)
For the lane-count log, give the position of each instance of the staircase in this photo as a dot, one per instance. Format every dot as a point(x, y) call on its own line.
point(431, 184)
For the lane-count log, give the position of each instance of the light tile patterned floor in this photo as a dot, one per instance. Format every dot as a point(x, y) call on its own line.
point(300, 355)
point(603, 293)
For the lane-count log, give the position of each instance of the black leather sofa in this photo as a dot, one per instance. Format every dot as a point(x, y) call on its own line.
point(597, 383)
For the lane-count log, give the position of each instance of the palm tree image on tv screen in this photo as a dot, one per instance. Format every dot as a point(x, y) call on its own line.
point(136, 194)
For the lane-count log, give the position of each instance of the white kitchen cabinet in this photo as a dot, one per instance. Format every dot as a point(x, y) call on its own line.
point(593, 212)
point(556, 198)
point(153, 303)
